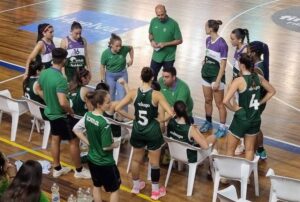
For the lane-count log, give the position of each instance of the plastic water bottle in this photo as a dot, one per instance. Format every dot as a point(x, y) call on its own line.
point(55, 193)
point(72, 198)
point(80, 195)
point(89, 195)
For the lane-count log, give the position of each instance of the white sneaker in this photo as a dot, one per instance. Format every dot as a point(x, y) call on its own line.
point(240, 149)
point(62, 171)
point(84, 174)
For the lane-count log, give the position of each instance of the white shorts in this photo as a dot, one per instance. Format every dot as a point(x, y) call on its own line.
point(206, 84)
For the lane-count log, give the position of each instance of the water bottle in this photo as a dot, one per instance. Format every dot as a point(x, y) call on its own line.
point(80, 195)
point(55, 193)
point(72, 198)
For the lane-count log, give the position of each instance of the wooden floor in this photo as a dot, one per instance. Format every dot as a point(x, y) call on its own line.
point(281, 119)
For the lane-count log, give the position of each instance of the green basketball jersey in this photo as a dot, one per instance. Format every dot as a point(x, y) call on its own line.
point(145, 112)
point(76, 102)
point(249, 99)
point(99, 135)
point(29, 92)
point(181, 132)
point(116, 129)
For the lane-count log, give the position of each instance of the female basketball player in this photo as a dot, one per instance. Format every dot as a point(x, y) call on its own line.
point(76, 46)
point(146, 130)
point(42, 51)
point(213, 76)
point(247, 120)
point(256, 50)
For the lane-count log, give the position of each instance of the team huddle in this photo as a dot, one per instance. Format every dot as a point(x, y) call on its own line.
point(58, 79)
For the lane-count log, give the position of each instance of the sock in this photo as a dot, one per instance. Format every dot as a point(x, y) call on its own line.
point(208, 118)
point(79, 169)
point(155, 175)
point(58, 168)
point(260, 149)
point(222, 125)
point(155, 187)
point(136, 184)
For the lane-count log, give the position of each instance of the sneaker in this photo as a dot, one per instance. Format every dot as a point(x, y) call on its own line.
point(262, 155)
point(84, 174)
point(137, 190)
point(155, 195)
point(62, 171)
point(206, 127)
point(221, 132)
point(240, 149)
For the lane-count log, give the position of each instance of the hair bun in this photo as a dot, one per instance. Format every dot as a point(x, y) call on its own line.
point(219, 22)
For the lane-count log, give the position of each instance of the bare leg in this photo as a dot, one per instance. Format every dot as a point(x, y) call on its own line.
point(250, 141)
point(55, 150)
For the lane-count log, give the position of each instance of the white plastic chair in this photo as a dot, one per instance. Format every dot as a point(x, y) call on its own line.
point(178, 153)
point(229, 195)
point(234, 168)
point(116, 151)
point(15, 108)
point(283, 188)
point(35, 110)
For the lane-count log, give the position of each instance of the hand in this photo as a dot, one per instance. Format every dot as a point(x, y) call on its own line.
point(11, 170)
point(122, 81)
point(129, 63)
point(154, 44)
point(215, 85)
point(161, 45)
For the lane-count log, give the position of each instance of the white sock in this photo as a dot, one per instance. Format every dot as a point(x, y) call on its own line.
point(222, 125)
point(136, 184)
point(155, 187)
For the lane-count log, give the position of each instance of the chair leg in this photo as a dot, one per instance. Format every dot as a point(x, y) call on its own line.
point(14, 126)
point(216, 186)
point(149, 172)
point(32, 128)
point(244, 184)
point(1, 112)
point(38, 125)
point(129, 160)
point(191, 179)
point(47, 129)
point(169, 172)
point(256, 183)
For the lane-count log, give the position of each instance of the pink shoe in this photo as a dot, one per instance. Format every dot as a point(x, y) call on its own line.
point(155, 195)
point(137, 190)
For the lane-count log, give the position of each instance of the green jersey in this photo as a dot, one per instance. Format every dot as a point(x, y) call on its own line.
point(115, 129)
point(4, 183)
point(100, 136)
point(115, 62)
point(164, 32)
point(249, 98)
point(181, 132)
point(180, 91)
point(52, 82)
point(145, 112)
point(76, 102)
point(29, 90)
point(76, 57)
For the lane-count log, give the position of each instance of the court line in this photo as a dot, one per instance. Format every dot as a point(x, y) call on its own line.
point(237, 16)
point(23, 6)
point(44, 156)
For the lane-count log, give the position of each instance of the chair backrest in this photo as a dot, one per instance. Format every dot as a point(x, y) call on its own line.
point(122, 124)
point(228, 194)
point(8, 104)
point(4, 94)
point(284, 188)
point(232, 167)
point(178, 150)
point(35, 108)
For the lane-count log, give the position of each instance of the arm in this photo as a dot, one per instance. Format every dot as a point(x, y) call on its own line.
point(88, 66)
point(112, 146)
point(38, 90)
point(64, 103)
point(269, 88)
point(124, 84)
point(64, 44)
point(131, 54)
point(161, 118)
point(170, 43)
point(102, 72)
point(153, 43)
point(220, 74)
point(161, 100)
point(232, 89)
point(198, 137)
point(125, 101)
point(37, 50)
point(79, 130)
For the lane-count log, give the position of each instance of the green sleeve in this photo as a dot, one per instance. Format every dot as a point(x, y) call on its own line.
point(3, 186)
point(103, 58)
point(44, 198)
point(183, 93)
point(106, 136)
point(127, 49)
point(150, 27)
point(62, 86)
point(177, 32)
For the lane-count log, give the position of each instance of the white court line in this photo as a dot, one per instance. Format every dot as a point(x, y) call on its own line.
point(23, 6)
point(1, 82)
point(237, 16)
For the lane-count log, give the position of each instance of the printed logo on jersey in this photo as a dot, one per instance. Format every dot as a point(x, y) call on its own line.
point(288, 18)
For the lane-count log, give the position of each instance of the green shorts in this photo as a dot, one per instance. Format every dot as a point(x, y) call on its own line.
point(151, 137)
point(241, 126)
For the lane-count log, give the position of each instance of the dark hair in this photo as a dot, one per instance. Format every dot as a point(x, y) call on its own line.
point(2, 165)
point(26, 186)
point(146, 74)
point(34, 66)
point(102, 86)
point(155, 85)
point(76, 25)
point(214, 24)
point(76, 80)
point(260, 48)
point(248, 62)
point(97, 97)
point(171, 70)
point(181, 111)
point(58, 55)
point(113, 38)
point(41, 29)
point(241, 34)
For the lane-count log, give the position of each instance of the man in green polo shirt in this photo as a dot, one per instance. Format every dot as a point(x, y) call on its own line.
point(53, 86)
point(174, 89)
point(164, 35)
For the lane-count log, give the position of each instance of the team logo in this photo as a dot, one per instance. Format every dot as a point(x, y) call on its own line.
point(165, 29)
point(288, 18)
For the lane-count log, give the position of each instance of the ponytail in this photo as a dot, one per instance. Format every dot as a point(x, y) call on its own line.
point(259, 48)
point(181, 111)
point(241, 34)
point(266, 60)
point(96, 97)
